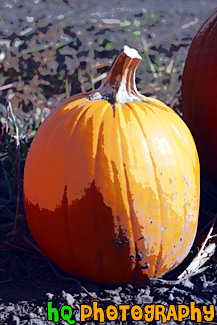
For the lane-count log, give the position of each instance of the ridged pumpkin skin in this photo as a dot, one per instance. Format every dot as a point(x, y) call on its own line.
point(111, 191)
point(199, 93)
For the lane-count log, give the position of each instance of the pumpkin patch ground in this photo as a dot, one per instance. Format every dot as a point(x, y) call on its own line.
point(56, 50)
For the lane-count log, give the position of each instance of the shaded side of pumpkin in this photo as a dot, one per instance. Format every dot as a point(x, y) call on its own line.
point(199, 93)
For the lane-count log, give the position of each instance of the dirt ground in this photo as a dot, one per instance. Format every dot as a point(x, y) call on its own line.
point(50, 50)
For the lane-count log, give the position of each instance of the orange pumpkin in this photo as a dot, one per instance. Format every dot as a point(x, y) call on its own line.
point(199, 93)
point(111, 183)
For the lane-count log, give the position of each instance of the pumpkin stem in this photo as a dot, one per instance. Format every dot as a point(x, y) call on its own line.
point(119, 86)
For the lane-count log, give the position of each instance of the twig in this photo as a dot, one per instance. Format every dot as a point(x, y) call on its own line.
point(91, 61)
point(198, 261)
point(202, 256)
point(6, 86)
point(64, 278)
point(98, 65)
point(44, 47)
point(148, 60)
point(18, 158)
point(99, 78)
point(3, 127)
point(67, 88)
point(210, 194)
point(207, 238)
point(173, 32)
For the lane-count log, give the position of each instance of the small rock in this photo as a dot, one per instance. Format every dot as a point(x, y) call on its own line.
point(144, 299)
point(49, 296)
point(141, 292)
point(32, 315)
point(179, 300)
point(15, 320)
point(214, 301)
point(207, 285)
point(39, 310)
point(119, 289)
point(128, 289)
point(117, 300)
point(179, 292)
point(111, 292)
point(188, 284)
point(77, 317)
point(160, 291)
point(83, 295)
point(171, 297)
point(68, 298)
point(147, 291)
point(129, 286)
point(9, 309)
